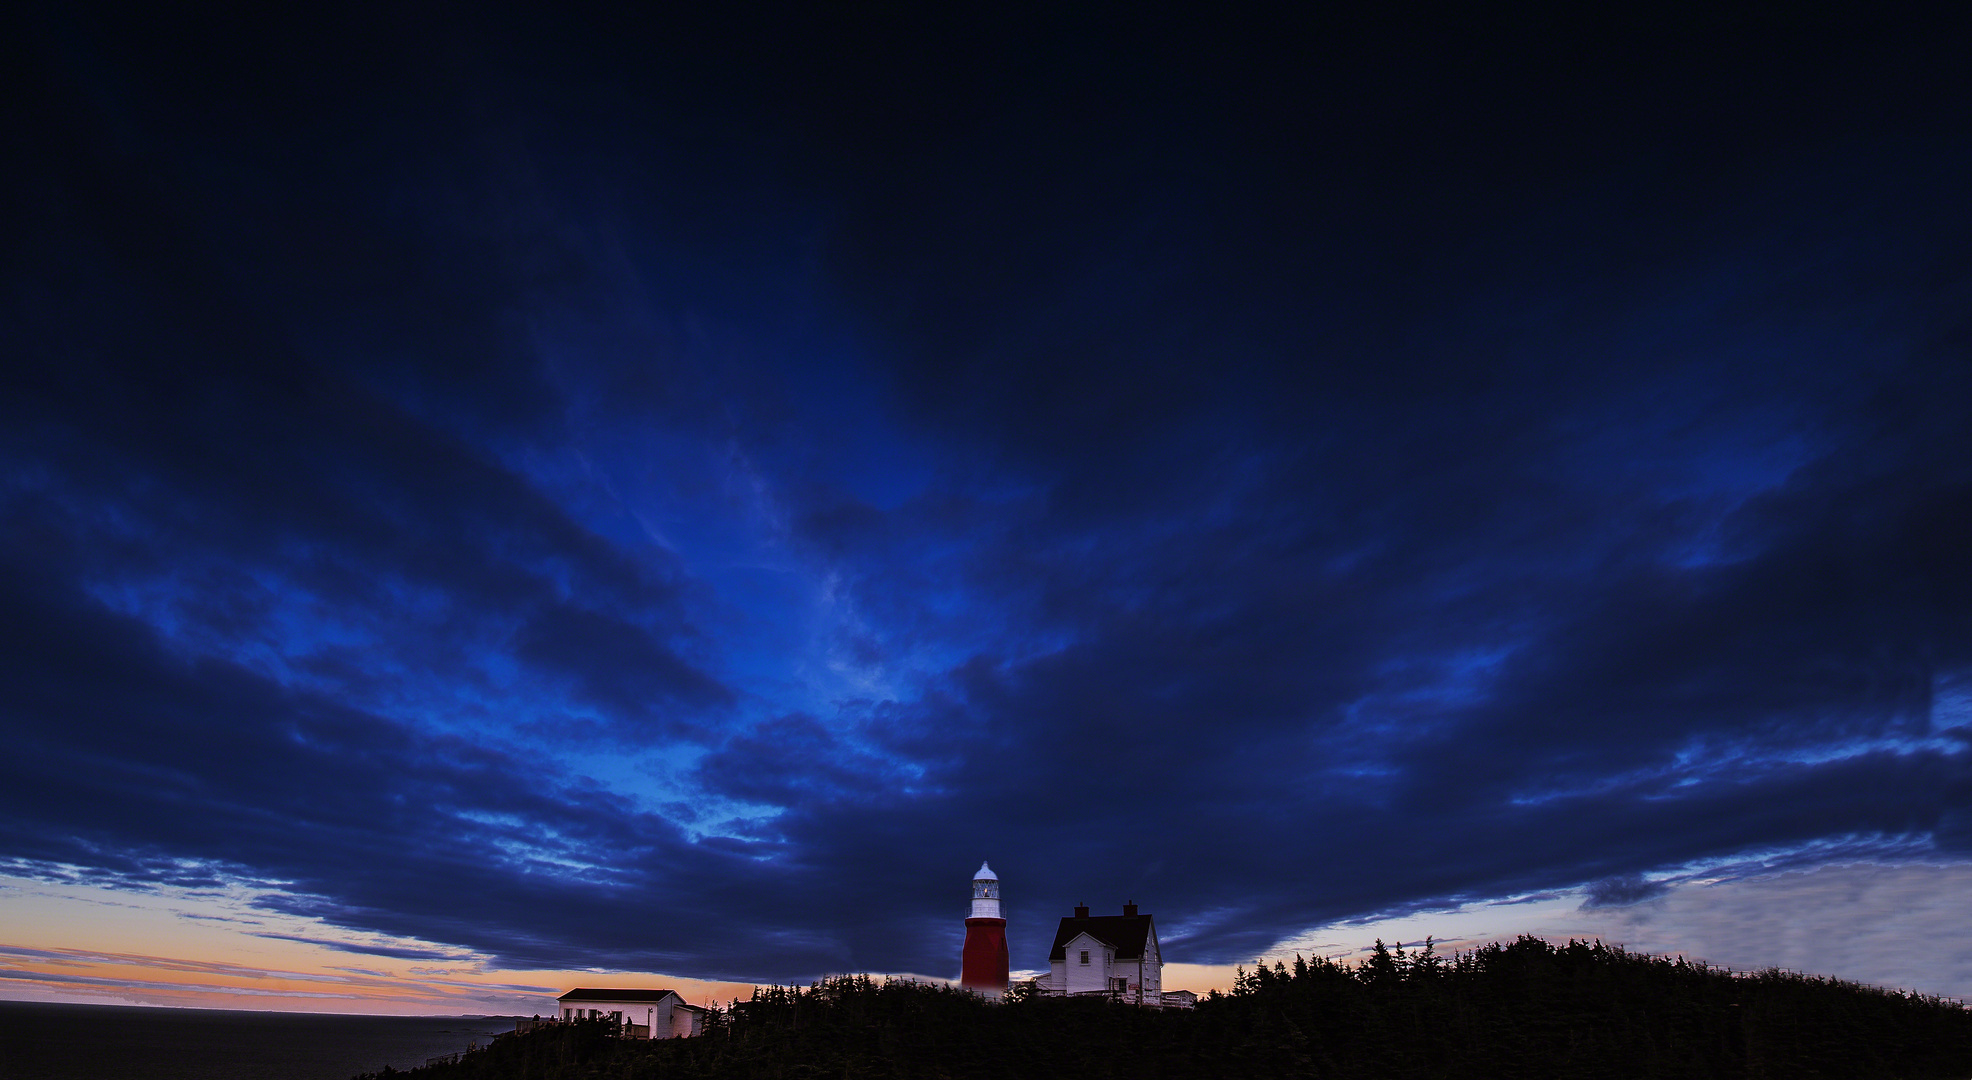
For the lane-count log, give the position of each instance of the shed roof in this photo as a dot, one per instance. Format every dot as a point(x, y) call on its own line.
point(591, 994)
point(1124, 933)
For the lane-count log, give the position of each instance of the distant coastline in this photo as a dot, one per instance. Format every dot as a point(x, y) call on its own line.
point(57, 1041)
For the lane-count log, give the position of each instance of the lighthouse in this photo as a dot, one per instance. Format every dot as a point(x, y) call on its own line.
point(983, 964)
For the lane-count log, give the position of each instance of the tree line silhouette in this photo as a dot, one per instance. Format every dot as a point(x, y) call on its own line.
point(1521, 1009)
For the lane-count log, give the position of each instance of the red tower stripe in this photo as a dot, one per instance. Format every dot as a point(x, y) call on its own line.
point(983, 964)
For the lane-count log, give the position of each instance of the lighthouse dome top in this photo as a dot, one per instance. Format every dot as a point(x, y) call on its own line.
point(985, 873)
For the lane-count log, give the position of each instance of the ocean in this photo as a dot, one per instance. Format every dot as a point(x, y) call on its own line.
point(41, 1041)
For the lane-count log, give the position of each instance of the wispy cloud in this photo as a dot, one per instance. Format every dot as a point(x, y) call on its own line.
point(395, 952)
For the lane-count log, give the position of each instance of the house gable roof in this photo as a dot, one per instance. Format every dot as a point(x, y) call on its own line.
point(1124, 933)
point(1086, 936)
point(589, 994)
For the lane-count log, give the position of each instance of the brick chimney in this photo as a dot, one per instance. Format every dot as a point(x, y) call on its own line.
point(1081, 911)
point(1129, 909)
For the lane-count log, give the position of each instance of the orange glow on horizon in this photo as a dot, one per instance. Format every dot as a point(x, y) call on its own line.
point(85, 944)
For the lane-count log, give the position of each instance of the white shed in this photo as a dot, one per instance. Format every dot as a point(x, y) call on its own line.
point(644, 1014)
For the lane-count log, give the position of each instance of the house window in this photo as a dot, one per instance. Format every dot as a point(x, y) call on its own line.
point(1085, 956)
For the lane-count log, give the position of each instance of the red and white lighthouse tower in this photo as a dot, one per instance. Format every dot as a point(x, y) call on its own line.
point(983, 964)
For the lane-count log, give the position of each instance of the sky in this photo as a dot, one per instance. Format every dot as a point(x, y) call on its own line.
point(493, 502)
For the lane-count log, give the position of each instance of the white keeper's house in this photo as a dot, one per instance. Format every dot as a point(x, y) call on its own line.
point(1113, 956)
point(643, 1014)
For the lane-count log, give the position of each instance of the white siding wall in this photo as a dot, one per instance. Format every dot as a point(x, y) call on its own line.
point(682, 1024)
point(1095, 974)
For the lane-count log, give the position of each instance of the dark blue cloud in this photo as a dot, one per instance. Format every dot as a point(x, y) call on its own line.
point(396, 952)
point(616, 663)
point(600, 493)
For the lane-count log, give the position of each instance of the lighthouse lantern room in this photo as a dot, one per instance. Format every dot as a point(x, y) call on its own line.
point(983, 963)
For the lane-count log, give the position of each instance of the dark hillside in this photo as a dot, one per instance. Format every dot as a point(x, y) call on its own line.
point(1527, 1009)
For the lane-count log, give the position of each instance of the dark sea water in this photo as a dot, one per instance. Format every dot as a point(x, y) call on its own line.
point(102, 1042)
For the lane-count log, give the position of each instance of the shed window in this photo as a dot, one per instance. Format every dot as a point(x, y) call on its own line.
point(1085, 956)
